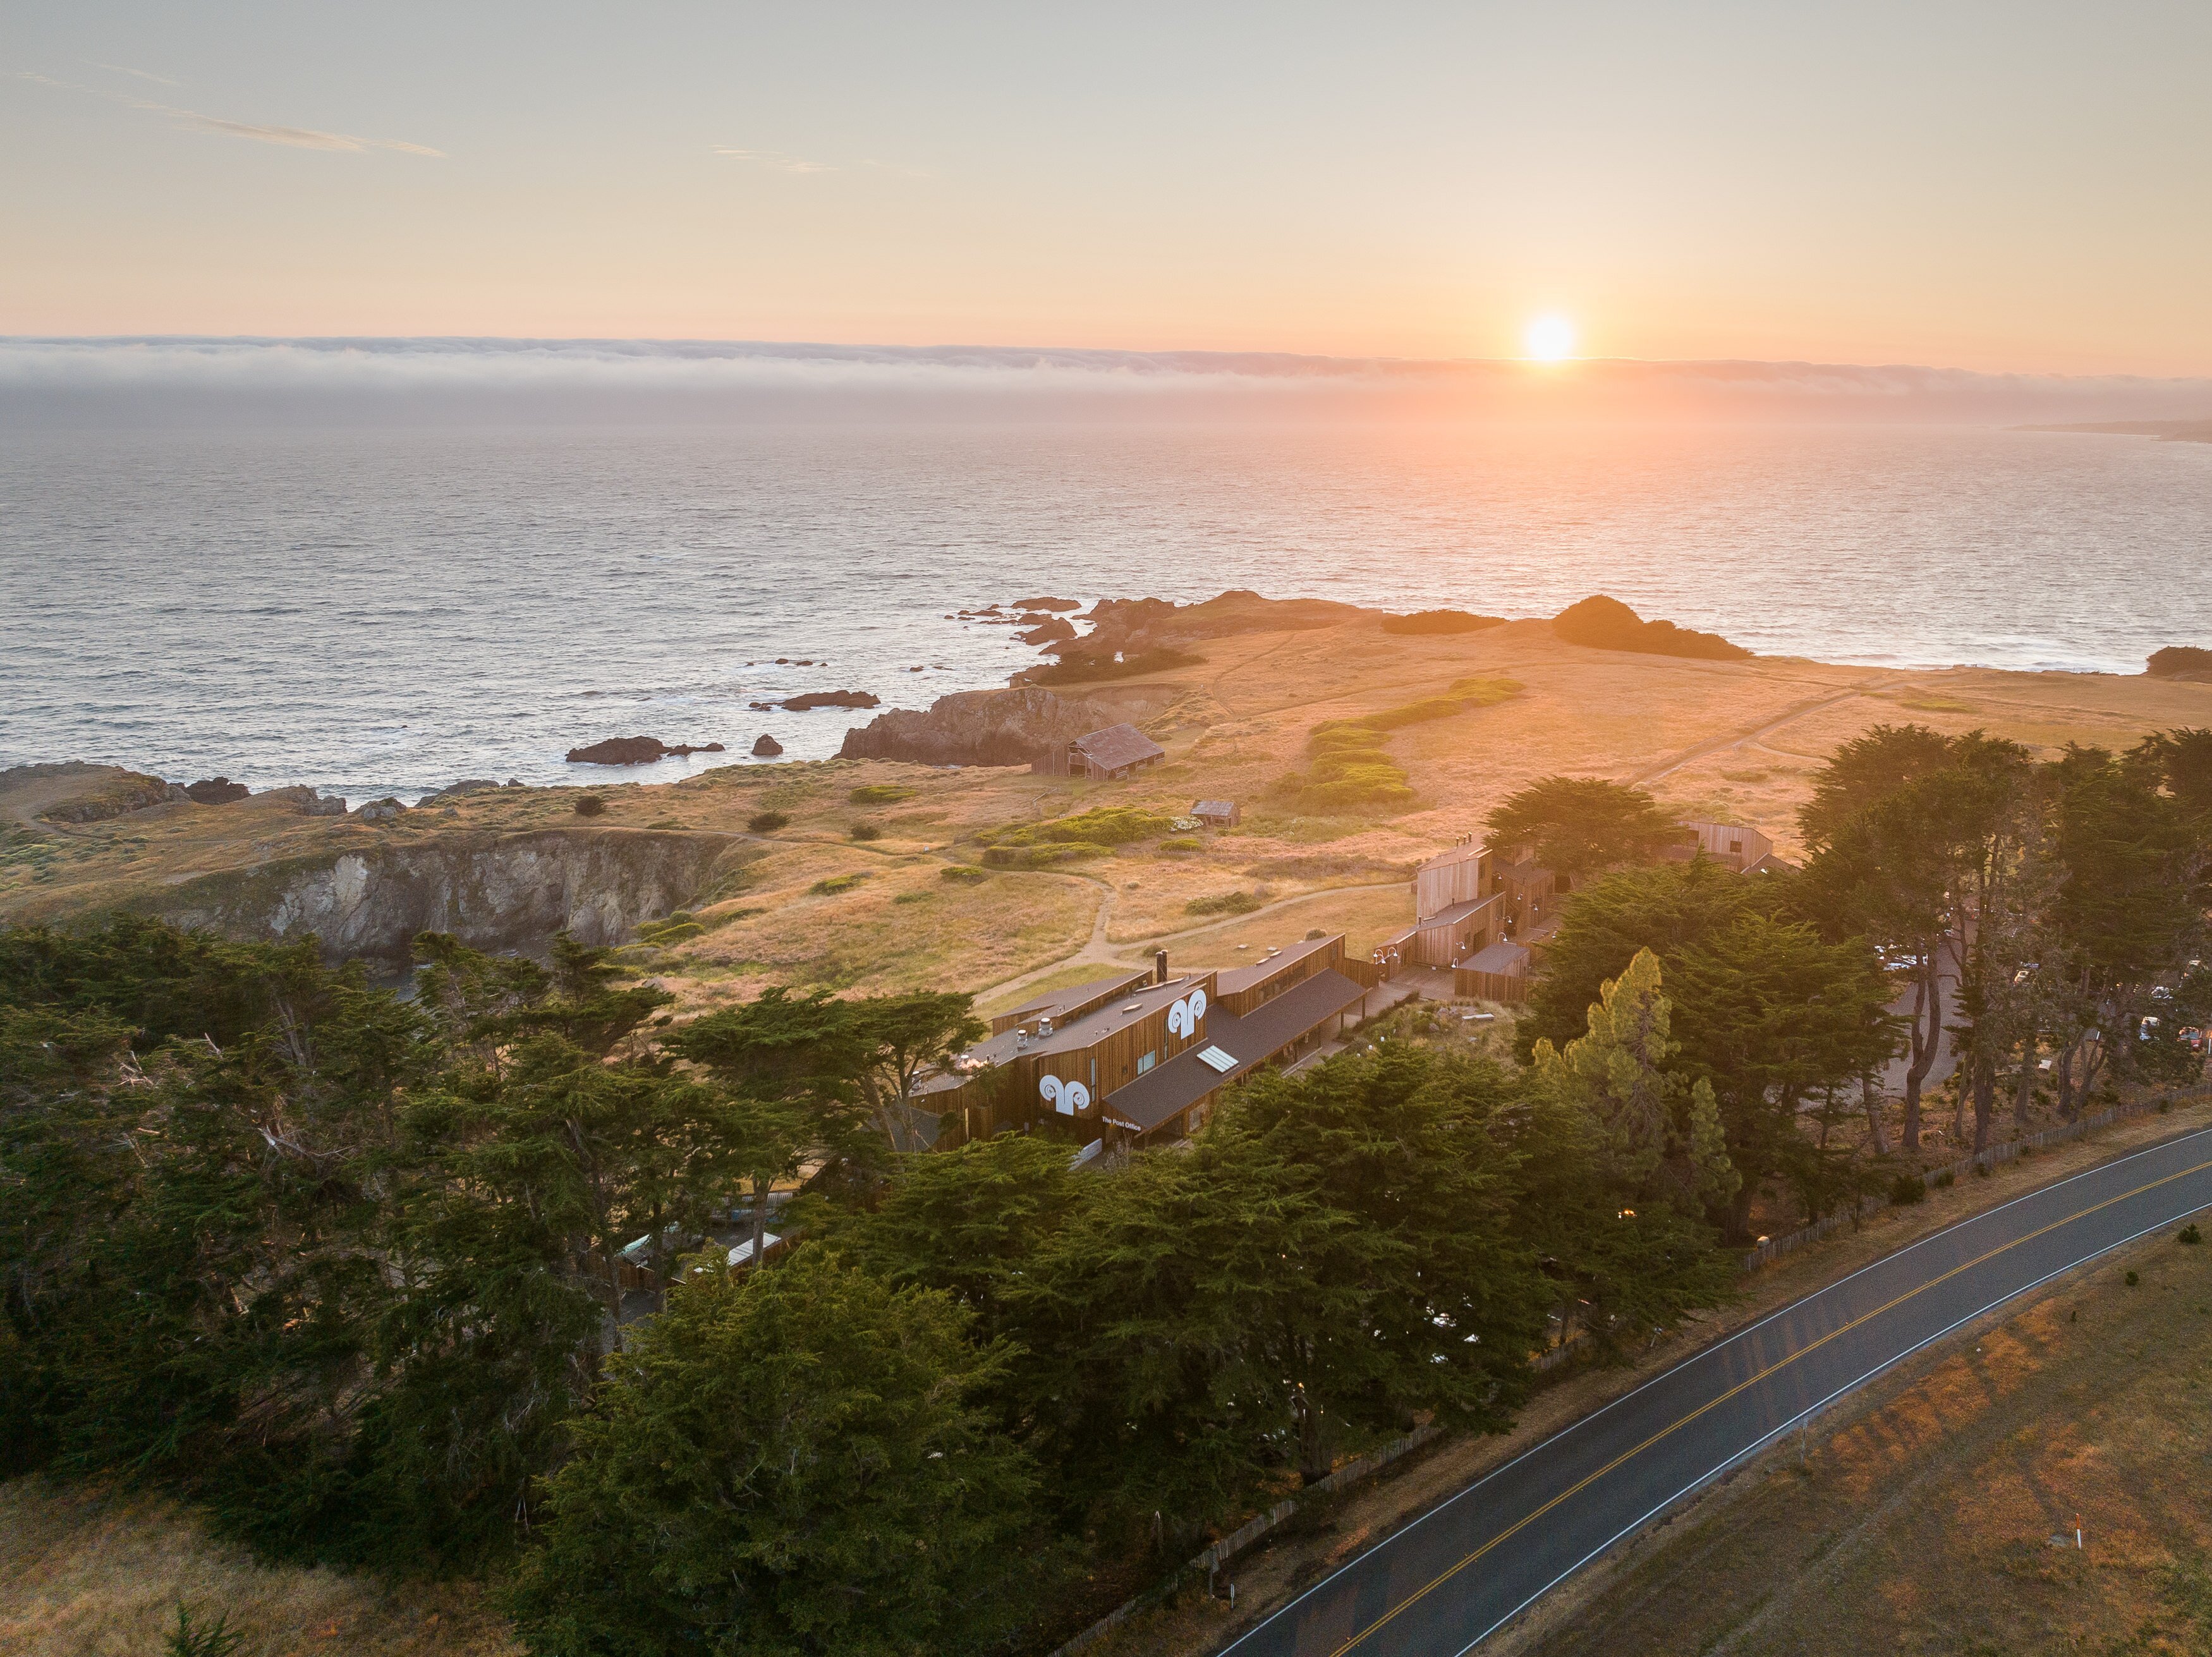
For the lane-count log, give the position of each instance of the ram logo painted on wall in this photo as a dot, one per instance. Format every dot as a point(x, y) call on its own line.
point(1065, 1097)
point(1184, 1017)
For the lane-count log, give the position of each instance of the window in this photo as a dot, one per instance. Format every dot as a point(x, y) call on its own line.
point(1146, 1062)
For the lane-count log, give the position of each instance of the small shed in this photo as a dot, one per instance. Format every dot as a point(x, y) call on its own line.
point(1500, 973)
point(1116, 751)
point(1218, 813)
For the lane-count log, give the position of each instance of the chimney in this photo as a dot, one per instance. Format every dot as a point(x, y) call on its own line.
point(1159, 966)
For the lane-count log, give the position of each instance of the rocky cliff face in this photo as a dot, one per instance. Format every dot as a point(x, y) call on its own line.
point(494, 891)
point(977, 727)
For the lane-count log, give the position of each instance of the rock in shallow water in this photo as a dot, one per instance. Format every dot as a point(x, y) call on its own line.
point(636, 750)
point(824, 699)
point(767, 747)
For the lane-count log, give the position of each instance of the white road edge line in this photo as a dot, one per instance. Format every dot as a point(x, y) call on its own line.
point(1673, 1370)
point(1752, 1449)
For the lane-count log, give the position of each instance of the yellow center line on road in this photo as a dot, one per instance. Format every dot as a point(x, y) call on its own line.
point(1583, 1484)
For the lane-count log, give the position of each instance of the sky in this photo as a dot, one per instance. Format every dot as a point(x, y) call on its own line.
point(2017, 187)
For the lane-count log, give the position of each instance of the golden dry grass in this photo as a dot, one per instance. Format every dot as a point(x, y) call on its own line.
point(902, 927)
point(1736, 740)
point(1364, 917)
point(84, 1573)
point(1925, 1522)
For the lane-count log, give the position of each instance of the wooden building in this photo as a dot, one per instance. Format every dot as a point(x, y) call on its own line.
point(1119, 751)
point(1739, 848)
point(1459, 876)
point(1094, 1055)
point(1467, 899)
point(1066, 1005)
point(1500, 973)
point(1218, 813)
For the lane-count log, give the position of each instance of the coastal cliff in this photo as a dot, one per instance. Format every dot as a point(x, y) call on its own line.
point(494, 891)
point(977, 727)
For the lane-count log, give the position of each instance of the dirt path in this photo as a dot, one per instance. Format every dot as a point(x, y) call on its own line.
point(1108, 954)
point(1758, 734)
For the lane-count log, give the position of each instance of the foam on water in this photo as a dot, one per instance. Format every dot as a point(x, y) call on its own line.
point(377, 612)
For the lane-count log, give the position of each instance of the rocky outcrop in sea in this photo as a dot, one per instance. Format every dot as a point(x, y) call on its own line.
point(636, 750)
point(977, 727)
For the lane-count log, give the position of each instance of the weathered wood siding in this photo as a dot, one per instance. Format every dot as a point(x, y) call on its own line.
point(1449, 877)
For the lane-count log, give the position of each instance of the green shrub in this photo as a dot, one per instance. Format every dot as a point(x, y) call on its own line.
point(590, 805)
point(1042, 856)
point(766, 822)
point(1342, 733)
point(964, 874)
point(1947, 1179)
point(1486, 693)
point(1349, 794)
point(1464, 695)
point(1106, 825)
point(913, 897)
point(2189, 1233)
point(1315, 932)
point(1907, 1189)
point(1182, 843)
point(672, 930)
point(2133, 1279)
point(1334, 763)
point(1223, 903)
point(216, 1639)
point(880, 793)
point(1419, 712)
point(835, 884)
point(867, 831)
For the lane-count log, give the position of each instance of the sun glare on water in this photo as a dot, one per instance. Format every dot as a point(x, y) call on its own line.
point(1549, 339)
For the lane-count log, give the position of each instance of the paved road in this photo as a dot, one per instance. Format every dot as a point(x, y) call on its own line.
point(1456, 1575)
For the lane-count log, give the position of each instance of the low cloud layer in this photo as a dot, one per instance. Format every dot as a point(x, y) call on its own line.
point(160, 381)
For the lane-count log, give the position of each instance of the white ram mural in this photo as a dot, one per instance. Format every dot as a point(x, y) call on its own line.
point(1065, 1097)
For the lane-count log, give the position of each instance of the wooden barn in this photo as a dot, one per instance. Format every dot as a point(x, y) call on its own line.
point(1119, 751)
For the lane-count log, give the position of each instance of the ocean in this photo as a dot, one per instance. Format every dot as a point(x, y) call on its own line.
point(379, 610)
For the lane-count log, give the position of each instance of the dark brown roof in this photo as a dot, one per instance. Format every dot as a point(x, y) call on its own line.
point(1453, 916)
point(1235, 979)
point(1119, 745)
point(1165, 1091)
point(1075, 995)
point(1507, 960)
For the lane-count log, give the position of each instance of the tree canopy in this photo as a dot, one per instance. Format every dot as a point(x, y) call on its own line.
point(1579, 826)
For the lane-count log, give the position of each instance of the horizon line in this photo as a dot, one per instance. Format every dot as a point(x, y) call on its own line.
point(1180, 354)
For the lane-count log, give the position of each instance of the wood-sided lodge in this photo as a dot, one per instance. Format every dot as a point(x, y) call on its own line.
point(1487, 917)
point(1139, 1058)
point(1469, 901)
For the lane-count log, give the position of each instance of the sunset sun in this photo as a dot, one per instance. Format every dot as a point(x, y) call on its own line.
point(1549, 339)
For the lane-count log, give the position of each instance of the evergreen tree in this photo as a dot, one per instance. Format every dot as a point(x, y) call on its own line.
point(1658, 1133)
point(785, 1465)
point(1579, 826)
